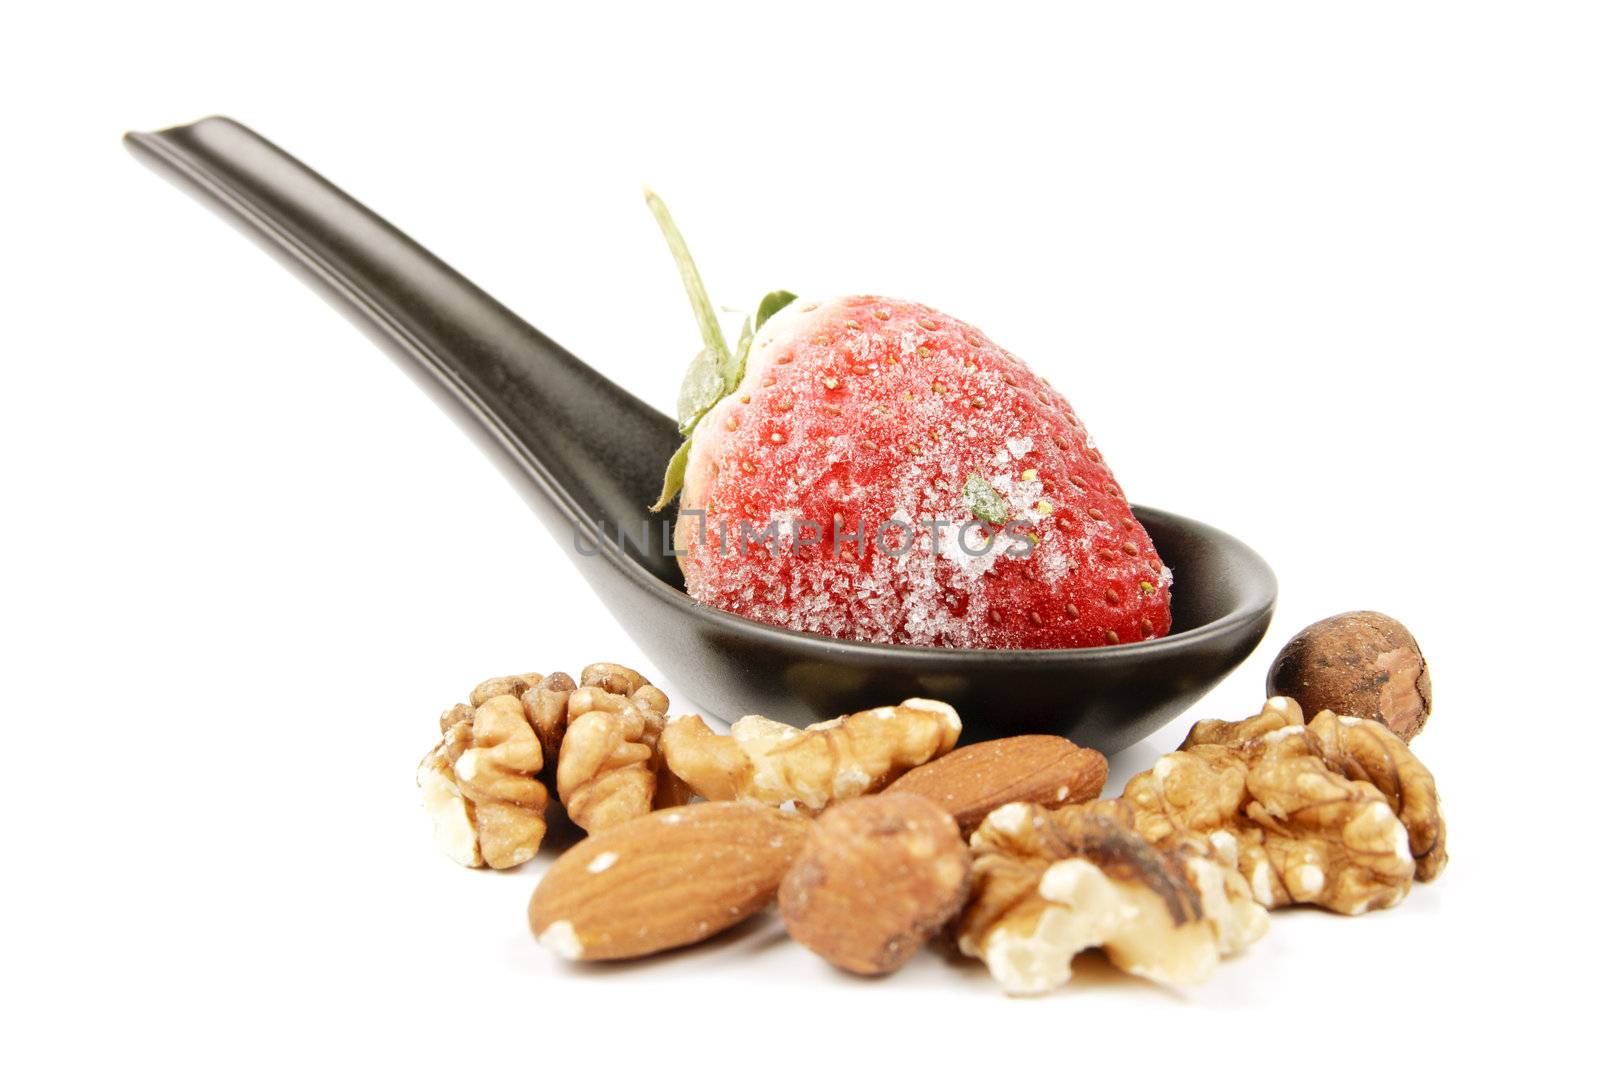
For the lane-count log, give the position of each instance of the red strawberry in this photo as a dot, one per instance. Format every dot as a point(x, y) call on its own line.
point(873, 469)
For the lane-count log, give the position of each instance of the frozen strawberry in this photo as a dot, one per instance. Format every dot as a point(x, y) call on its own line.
point(872, 469)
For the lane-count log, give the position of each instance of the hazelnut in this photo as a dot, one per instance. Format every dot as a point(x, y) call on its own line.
point(1360, 663)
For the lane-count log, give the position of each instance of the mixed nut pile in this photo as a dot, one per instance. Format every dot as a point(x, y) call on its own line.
point(874, 833)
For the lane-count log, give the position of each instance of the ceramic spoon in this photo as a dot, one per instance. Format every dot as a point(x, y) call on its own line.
point(588, 456)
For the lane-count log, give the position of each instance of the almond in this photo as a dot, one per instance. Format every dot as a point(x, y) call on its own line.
point(667, 879)
point(972, 781)
point(875, 878)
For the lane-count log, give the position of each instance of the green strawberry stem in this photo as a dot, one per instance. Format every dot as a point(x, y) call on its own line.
point(715, 372)
point(705, 314)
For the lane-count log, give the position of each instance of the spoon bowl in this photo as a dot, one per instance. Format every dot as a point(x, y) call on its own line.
point(588, 457)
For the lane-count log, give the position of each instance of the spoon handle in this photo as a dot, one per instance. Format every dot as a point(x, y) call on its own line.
point(589, 451)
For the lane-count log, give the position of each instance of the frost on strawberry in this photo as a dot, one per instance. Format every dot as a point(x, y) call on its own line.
point(872, 469)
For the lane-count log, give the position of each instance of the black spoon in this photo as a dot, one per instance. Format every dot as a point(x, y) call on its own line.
point(589, 456)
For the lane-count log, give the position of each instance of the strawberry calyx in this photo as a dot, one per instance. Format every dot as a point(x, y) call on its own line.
point(716, 371)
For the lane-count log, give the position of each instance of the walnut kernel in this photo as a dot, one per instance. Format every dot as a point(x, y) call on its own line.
point(479, 784)
point(1336, 813)
point(608, 771)
point(544, 703)
point(776, 764)
point(1048, 884)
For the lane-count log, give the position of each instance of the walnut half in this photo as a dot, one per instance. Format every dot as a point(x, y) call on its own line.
point(609, 771)
point(1338, 812)
point(544, 703)
point(479, 784)
point(772, 763)
point(1048, 884)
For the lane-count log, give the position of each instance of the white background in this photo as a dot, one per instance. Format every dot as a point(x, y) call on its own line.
point(1322, 275)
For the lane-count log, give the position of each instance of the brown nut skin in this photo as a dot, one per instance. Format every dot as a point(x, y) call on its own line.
point(671, 878)
point(1361, 663)
point(875, 878)
point(973, 780)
